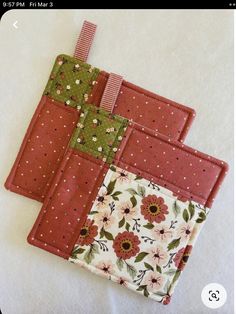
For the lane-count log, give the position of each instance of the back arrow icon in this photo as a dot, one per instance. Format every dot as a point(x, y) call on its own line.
point(14, 24)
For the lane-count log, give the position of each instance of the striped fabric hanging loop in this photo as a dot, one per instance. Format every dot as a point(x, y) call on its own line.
point(111, 92)
point(85, 41)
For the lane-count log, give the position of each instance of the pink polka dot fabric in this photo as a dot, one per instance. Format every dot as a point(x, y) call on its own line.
point(53, 123)
point(42, 149)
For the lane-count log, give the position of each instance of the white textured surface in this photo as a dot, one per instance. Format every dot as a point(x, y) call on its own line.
point(184, 55)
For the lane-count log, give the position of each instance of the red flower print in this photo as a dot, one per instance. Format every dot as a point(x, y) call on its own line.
point(87, 233)
point(182, 256)
point(166, 299)
point(126, 245)
point(153, 208)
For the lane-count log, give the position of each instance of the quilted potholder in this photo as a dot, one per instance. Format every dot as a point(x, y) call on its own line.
point(127, 203)
point(72, 83)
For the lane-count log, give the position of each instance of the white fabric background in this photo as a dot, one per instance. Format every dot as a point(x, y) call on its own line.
point(184, 55)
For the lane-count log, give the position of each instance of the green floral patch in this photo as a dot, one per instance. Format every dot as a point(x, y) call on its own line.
point(71, 80)
point(98, 132)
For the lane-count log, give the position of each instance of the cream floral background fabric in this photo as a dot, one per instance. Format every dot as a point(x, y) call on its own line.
point(138, 234)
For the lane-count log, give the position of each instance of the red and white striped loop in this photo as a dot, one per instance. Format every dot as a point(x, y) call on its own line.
point(111, 92)
point(85, 41)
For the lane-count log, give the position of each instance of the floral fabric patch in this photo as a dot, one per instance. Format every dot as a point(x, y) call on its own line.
point(71, 81)
point(138, 234)
point(98, 132)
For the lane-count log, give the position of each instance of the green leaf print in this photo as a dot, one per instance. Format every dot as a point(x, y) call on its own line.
point(191, 209)
point(115, 195)
point(108, 235)
point(132, 191)
point(90, 254)
point(148, 226)
point(120, 263)
point(144, 289)
point(141, 191)
point(185, 215)
point(131, 270)
point(173, 244)
point(133, 201)
point(77, 250)
point(158, 269)
point(110, 187)
point(127, 226)
point(201, 217)
point(140, 257)
point(176, 208)
point(148, 266)
point(122, 222)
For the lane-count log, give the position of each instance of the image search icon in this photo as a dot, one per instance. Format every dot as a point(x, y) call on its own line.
point(214, 295)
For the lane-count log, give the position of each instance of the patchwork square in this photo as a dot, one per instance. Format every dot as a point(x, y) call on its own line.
point(138, 234)
point(70, 81)
point(99, 133)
